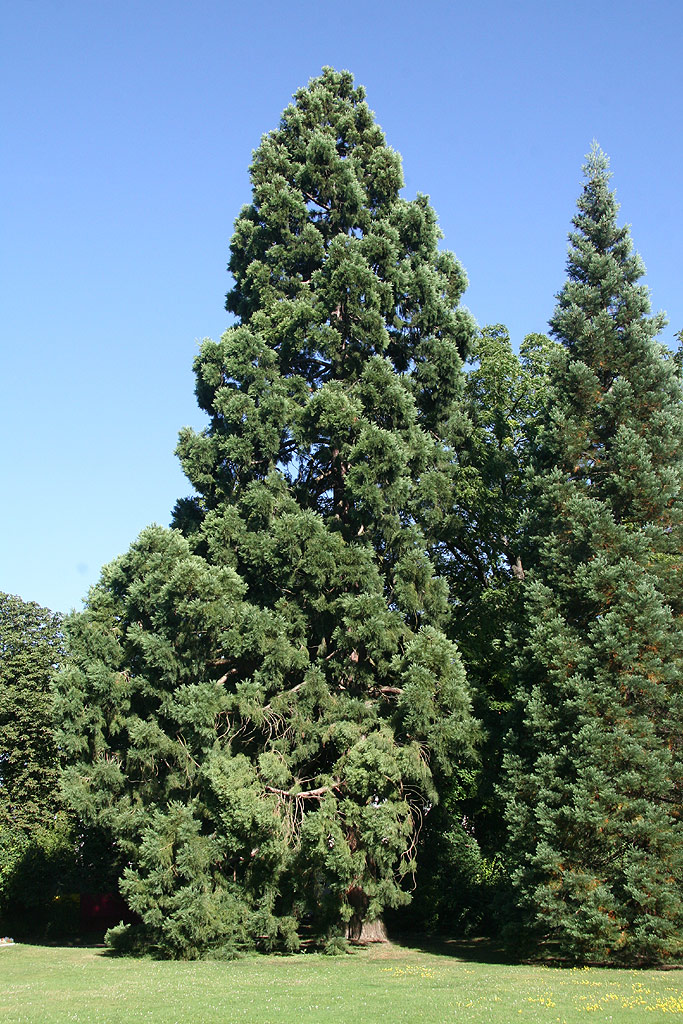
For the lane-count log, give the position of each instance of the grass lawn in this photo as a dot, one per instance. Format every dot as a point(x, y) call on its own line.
point(383, 983)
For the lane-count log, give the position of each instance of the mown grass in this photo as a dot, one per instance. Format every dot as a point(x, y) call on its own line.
point(388, 983)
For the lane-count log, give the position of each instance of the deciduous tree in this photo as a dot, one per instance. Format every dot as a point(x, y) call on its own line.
point(31, 647)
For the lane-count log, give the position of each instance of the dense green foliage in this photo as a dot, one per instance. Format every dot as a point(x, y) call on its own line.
point(33, 832)
point(594, 784)
point(424, 603)
point(258, 699)
point(30, 649)
point(46, 853)
point(481, 543)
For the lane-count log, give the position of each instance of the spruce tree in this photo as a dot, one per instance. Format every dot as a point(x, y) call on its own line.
point(594, 781)
point(262, 695)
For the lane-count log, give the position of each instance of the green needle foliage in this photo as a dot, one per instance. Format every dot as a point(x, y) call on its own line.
point(259, 699)
point(594, 784)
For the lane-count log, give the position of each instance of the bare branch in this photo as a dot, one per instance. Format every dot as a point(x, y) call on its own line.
point(308, 794)
point(224, 678)
point(312, 199)
point(285, 693)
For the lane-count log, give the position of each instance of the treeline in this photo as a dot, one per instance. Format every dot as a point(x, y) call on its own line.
point(417, 631)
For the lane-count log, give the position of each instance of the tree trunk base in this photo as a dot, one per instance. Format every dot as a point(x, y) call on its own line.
point(359, 929)
point(364, 932)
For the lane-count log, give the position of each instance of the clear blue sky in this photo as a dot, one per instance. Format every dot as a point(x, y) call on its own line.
point(127, 132)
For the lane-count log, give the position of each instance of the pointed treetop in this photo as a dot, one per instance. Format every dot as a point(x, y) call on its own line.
point(602, 309)
point(597, 163)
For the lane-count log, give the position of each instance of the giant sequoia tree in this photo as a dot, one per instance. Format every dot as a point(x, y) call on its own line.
point(595, 783)
point(259, 698)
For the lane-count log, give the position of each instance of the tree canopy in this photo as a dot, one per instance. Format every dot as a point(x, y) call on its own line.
point(259, 698)
point(30, 649)
point(594, 784)
point(416, 568)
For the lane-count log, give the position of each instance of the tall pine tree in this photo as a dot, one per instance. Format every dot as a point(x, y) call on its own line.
point(259, 699)
point(594, 784)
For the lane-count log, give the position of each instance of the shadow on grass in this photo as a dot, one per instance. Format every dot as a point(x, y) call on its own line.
point(56, 940)
point(490, 951)
point(471, 950)
point(70, 943)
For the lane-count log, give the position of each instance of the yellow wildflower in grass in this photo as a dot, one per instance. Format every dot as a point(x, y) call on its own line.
point(544, 1000)
point(411, 970)
point(674, 1004)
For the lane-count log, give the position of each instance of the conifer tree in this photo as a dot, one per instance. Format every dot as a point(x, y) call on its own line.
point(594, 782)
point(261, 696)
